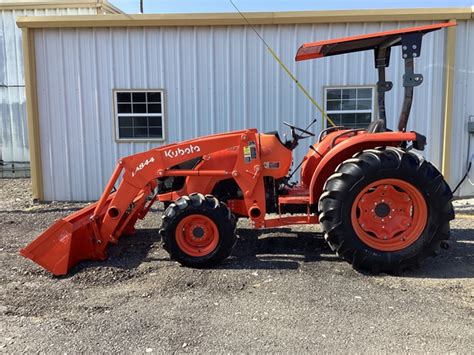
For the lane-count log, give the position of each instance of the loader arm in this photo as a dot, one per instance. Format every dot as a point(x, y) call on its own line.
point(87, 233)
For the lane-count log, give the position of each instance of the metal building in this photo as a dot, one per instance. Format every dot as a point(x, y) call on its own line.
point(13, 129)
point(103, 87)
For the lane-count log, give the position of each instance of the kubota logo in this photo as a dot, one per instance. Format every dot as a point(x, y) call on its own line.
point(174, 153)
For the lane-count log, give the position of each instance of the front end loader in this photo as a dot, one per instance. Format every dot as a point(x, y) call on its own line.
point(382, 207)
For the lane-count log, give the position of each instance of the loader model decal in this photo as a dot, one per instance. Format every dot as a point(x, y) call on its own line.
point(142, 165)
point(178, 152)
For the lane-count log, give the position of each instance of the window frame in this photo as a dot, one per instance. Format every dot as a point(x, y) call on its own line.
point(116, 115)
point(330, 87)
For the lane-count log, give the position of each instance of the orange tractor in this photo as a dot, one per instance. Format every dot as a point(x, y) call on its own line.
point(382, 207)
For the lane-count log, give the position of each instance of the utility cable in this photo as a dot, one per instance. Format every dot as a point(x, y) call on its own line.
point(463, 178)
point(468, 165)
point(285, 68)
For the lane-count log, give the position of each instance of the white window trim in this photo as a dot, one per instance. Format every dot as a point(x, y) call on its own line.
point(330, 87)
point(116, 116)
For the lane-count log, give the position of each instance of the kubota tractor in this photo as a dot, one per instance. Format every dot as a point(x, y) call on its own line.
point(381, 206)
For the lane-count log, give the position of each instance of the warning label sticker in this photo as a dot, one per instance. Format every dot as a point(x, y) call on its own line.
point(247, 155)
point(250, 152)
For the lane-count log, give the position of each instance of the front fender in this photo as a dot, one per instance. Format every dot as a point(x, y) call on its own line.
point(350, 146)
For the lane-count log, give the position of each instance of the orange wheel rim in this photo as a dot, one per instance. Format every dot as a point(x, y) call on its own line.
point(389, 214)
point(197, 235)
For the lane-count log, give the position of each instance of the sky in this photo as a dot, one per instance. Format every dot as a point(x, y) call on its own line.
point(190, 6)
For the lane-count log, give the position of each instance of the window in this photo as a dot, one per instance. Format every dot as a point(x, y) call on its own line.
point(139, 115)
point(351, 107)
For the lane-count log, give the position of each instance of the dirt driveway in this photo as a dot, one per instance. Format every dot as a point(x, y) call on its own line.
point(281, 291)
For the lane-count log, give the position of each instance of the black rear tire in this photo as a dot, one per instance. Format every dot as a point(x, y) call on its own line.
point(367, 167)
point(199, 206)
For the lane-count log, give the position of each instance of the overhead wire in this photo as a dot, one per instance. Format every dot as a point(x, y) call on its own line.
point(285, 68)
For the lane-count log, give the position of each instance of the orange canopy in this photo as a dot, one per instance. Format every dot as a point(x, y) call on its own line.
point(361, 42)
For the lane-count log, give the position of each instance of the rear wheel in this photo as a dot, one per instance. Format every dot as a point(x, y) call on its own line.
point(386, 210)
point(198, 230)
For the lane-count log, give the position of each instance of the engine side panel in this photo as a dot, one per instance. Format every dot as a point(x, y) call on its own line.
point(276, 158)
point(221, 160)
point(276, 161)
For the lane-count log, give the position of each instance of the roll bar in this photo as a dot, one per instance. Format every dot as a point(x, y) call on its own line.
point(381, 43)
point(411, 48)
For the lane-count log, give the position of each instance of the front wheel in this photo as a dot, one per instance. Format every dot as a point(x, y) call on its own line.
point(198, 231)
point(386, 210)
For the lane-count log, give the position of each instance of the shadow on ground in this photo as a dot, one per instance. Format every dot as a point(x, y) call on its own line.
point(282, 248)
point(278, 248)
point(456, 262)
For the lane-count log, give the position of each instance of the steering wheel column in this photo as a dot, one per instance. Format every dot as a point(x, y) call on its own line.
point(295, 136)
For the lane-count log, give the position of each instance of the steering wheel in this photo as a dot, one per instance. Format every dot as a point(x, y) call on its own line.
point(310, 134)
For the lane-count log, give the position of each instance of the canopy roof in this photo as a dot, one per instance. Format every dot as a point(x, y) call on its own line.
point(361, 42)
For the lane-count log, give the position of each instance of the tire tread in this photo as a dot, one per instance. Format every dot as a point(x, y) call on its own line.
point(355, 169)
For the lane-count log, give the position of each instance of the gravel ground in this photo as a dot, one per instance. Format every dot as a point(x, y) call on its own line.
point(281, 291)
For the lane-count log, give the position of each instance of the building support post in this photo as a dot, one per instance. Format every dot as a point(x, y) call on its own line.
point(449, 64)
point(29, 57)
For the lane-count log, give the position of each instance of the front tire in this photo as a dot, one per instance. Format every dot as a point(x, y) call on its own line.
point(386, 210)
point(198, 231)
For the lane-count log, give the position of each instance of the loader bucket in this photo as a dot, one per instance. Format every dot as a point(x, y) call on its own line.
point(66, 242)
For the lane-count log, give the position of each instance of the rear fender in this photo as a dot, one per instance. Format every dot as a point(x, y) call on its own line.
point(350, 146)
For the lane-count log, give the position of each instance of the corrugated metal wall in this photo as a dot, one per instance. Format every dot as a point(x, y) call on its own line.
point(13, 127)
point(216, 79)
point(463, 107)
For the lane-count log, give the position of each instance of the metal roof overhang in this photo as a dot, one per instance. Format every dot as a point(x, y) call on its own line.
point(255, 18)
point(54, 4)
